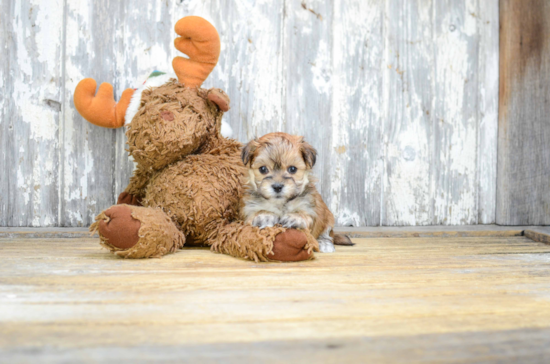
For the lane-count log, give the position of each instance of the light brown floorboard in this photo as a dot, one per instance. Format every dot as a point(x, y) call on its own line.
point(388, 300)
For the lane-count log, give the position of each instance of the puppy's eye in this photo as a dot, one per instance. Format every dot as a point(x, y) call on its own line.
point(292, 169)
point(263, 170)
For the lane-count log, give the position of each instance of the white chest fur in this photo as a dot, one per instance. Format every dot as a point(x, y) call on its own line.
point(281, 207)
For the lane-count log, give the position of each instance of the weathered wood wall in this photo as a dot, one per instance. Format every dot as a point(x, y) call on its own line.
point(400, 98)
point(524, 117)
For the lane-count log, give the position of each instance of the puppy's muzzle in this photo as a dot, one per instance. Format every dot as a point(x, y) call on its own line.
point(277, 187)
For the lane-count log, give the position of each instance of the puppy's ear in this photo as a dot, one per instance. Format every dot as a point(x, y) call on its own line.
point(309, 154)
point(247, 153)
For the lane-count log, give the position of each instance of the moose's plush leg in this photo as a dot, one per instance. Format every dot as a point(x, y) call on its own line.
point(268, 244)
point(137, 232)
point(135, 191)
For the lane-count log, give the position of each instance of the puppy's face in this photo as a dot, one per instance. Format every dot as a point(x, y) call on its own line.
point(279, 165)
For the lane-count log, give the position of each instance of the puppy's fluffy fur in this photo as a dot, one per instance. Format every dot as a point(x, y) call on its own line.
point(281, 189)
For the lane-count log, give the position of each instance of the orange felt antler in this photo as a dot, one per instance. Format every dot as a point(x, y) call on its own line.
point(101, 109)
point(201, 42)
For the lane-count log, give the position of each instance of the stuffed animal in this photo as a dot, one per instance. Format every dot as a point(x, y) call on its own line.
point(189, 178)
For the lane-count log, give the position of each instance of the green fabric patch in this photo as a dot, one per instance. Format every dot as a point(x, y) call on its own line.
point(156, 74)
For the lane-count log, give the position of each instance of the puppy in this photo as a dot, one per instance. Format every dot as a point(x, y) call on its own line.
point(281, 189)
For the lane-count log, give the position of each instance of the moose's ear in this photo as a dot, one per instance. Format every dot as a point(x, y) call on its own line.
point(309, 154)
point(219, 97)
point(247, 154)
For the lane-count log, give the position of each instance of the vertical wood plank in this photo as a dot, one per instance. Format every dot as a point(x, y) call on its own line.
point(5, 6)
point(353, 158)
point(31, 111)
point(488, 65)
point(308, 79)
point(435, 116)
point(88, 151)
point(408, 101)
point(523, 186)
point(454, 112)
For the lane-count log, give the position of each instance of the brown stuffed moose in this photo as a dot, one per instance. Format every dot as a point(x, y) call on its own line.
point(189, 178)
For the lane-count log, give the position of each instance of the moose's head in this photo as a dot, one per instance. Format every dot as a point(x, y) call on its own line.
point(168, 117)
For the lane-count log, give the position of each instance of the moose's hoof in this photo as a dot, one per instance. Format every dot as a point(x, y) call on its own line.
point(120, 229)
point(289, 246)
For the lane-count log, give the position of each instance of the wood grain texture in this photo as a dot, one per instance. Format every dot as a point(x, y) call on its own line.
point(431, 131)
point(505, 346)
point(354, 154)
point(4, 125)
point(524, 127)
point(32, 83)
point(88, 152)
point(454, 111)
point(398, 97)
point(487, 78)
point(470, 299)
point(407, 130)
point(307, 58)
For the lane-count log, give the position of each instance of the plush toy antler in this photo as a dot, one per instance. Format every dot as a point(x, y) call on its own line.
point(198, 39)
point(201, 42)
point(101, 109)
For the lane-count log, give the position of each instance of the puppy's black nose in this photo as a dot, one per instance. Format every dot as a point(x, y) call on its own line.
point(277, 187)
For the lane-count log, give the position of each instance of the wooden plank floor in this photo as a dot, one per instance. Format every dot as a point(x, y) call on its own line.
point(385, 300)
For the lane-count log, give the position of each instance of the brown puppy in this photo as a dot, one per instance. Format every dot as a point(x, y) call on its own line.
point(281, 188)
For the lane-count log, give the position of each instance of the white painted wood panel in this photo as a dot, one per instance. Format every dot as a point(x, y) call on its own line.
point(487, 118)
point(308, 79)
point(31, 84)
point(4, 127)
point(407, 130)
point(87, 169)
point(399, 97)
point(355, 164)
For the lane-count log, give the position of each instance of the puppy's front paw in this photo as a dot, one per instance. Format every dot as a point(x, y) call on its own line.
point(326, 246)
point(265, 220)
point(293, 222)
